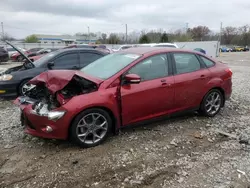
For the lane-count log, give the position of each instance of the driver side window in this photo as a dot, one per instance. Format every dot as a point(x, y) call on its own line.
point(151, 68)
point(67, 61)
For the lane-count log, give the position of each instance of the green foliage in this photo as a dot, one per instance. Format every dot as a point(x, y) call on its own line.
point(31, 39)
point(164, 38)
point(144, 39)
point(113, 39)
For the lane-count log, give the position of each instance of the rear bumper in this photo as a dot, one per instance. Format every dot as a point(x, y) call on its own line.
point(8, 88)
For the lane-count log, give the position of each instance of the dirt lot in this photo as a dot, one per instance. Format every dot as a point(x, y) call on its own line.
point(179, 152)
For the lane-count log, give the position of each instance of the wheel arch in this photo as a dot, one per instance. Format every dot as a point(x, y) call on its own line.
point(21, 82)
point(217, 88)
point(109, 111)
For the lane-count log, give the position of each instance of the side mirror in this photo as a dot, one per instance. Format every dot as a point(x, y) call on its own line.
point(50, 65)
point(132, 79)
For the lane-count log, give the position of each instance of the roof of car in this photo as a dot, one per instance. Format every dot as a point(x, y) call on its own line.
point(79, 49)
point(150, 50)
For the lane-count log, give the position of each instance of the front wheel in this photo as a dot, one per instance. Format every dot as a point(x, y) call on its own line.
point(24, 87)
point(211, 103)
point(90, 128)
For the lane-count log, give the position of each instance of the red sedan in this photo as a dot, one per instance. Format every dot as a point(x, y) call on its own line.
point(121, 89)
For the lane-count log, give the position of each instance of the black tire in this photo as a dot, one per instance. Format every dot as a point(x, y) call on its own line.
point(74, 127)
point(19, 89)
point(203, 110)
point(19, 58)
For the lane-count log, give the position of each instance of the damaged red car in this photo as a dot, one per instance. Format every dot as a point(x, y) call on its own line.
point(121, 89)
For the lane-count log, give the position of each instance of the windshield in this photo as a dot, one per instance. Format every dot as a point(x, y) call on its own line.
point(109, 65)
point(44, 59)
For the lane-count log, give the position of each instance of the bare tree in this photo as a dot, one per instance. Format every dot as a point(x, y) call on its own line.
point(245, 34)
point(199, 32)
point(228, 33)
point(7, 37)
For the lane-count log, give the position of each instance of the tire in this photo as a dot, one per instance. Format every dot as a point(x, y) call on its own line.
point(20, 88)
point(209, 101)
point(82, 134)
point(19, 58)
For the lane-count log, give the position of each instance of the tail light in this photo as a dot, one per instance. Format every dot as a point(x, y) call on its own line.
point(228, 74)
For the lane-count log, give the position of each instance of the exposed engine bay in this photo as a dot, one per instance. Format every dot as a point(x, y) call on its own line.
point(43, 100)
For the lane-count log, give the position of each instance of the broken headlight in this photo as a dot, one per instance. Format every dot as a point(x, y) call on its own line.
point(55, 115)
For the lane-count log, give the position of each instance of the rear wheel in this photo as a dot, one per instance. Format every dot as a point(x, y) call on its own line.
point(212, 103)
point(90, 128)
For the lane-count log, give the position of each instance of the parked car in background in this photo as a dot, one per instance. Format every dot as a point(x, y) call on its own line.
point(42, 51)
point(4, 56)
point(14, 81)
point(246, 49)
point(226, 49)
point(123, 88)
point(12, 51)
point(200, 50)
point(239, 48)
point(121, 47)
point(169, 45)
point(19, 57)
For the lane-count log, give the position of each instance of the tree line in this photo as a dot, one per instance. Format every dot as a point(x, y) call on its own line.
point(229, 36)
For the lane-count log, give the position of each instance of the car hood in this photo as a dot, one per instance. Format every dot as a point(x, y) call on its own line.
point(22, 53)
point(56, 80)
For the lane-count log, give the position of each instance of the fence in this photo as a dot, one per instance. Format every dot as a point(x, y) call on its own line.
point(211, 47)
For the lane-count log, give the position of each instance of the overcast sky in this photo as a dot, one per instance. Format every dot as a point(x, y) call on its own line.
point(24, 17)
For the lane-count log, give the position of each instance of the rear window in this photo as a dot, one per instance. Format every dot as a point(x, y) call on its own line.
point(208, 62)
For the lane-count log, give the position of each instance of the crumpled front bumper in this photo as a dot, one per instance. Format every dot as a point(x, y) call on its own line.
point(36, 125)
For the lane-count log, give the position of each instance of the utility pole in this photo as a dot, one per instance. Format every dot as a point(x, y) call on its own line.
point(126, 33)
point(219, 41)
point(186, 28)
point(88, 34)
point(220, 32)
point(2, 31)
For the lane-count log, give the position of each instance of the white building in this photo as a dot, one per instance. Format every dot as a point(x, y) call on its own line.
point(68, 39)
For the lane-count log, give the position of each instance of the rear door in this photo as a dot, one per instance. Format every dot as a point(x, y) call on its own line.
point(153, 96)
point(88, 57)
point(191, 76)
point(67, 61)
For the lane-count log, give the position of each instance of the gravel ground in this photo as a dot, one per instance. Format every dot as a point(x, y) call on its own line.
point(179, 152)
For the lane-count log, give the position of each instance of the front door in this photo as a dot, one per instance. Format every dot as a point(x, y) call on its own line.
point(153, 96)
point(69, 61)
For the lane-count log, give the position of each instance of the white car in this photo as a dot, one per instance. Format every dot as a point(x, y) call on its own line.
point(121, 47)
point(169, 45)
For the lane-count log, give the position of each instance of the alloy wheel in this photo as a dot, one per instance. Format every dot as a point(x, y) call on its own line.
point(26, 87)
point(213, 103)
point(92, 128)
